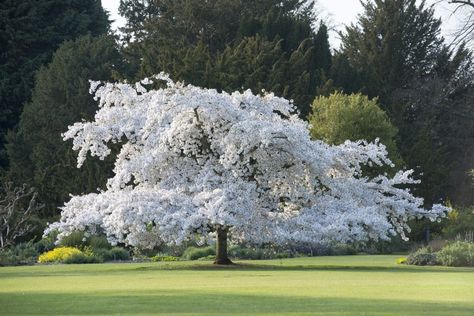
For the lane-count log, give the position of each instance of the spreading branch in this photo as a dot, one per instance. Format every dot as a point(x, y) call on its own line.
point(17, 206)
point(464, 11)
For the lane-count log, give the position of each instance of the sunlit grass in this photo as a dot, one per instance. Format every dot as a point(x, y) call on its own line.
point(304, 286)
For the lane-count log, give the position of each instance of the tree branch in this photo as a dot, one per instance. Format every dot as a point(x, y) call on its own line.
point(463, 3)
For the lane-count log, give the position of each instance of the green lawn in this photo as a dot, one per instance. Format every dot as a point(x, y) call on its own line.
point(345, 285)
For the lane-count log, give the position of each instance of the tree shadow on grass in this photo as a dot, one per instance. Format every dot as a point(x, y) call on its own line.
point(101, 269)
point(184, 302)
point(316, 267)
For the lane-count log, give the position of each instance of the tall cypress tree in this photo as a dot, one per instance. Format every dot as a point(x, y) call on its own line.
point(30, 31)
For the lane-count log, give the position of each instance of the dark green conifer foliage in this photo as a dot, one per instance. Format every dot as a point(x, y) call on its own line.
point(395, 51)
point(323, 51)
point(38, 155)
point(233, 44)
point(30, 31)
point(393, 43)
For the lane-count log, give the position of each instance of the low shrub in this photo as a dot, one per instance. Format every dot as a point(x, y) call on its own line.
point(79, 240)
point(158, 258)
point(423, 257)
point(208, 258)
point(246, 253)
point(117, 253)
point(82, 258)
point(460, 221)
point(45, 244)
point(194, 253)
point(98, 242)
point(238, 252)
point(457, 254)
point(402, 260)
point(59, 254)
point(102, 253)
point(75, 239)
point(20, 254)
point(437, 244)
point(114, 254)
point(173, 250)
point(466, 236)
point(395, 244)
point(342, 249)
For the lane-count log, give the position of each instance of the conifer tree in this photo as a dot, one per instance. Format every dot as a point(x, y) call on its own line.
point(395, 51)
point(393, 43)
point(267, 44)
point(37, 153)
point(30, 31)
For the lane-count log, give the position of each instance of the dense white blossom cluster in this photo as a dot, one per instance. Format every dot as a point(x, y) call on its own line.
point(192, 159)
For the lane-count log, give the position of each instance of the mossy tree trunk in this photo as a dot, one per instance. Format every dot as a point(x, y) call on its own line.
point(221, 246)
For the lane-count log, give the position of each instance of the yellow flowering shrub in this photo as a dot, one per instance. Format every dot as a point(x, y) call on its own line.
point(402, 260)
point(59, 254)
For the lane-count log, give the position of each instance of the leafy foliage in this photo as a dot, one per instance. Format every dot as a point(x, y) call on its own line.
point(457, 254)
point(394, 42)
point(191, 165)
point(19, 254)
point(248, 253)
point(459, 222)
point(59, 254)
point(342, 117)
point(423, 257)
point(165, 258)
point(194, 253)
point(117, 253)
point(81, 258)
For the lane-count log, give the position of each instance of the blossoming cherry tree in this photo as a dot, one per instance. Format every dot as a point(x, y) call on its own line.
point(198, 163)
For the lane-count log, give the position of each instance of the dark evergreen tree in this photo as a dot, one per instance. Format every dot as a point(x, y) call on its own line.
point(395, 51)
point(30, 31)
point(38, 155)
point(393, 43)
point(323, 51)
point(436, 128)
point(267, 44)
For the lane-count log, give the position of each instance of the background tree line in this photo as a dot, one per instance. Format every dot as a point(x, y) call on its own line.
point(412, 88)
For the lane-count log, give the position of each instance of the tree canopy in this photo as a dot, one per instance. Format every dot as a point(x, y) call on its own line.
point(342, 117)
point(196, 162)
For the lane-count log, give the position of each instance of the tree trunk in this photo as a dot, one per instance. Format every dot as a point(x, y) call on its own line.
point(221, 246)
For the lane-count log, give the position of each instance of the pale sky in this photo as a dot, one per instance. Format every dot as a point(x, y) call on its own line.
point(344, 12)
point(337, 13)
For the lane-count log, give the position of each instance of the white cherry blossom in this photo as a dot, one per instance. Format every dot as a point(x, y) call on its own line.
point(194, 160)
